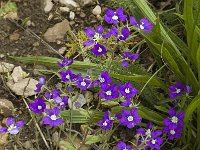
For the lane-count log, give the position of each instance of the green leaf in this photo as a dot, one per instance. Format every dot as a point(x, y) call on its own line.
point(109, 103)
point(65, 144)
point(91, 139)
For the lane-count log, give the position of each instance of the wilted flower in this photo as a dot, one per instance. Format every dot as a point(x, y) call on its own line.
point(144, 24)
point(128, 56)
point(12, 127)
point(109, 92)
point(38, 106)
point(106, 122)
point(130, 118)
point(67, 76)
point(114, 17)
point(39, 85)
point(65, 62)
point(122, 146)
point(127, 90)
point(52, 118)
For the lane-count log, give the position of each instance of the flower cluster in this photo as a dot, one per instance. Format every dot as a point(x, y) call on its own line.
point(12, 126)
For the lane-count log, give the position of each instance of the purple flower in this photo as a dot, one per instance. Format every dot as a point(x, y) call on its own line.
point(127, 90)
point(173, 133)
point(83, 83)
point(130, 118)
point(188, 89)
point(155, 140)
point(104, 78)
point(145, 132)
point(65, 62)
point(67, 76)
point(62, 102)
point(41, 82)
point(128, 56)
point(38, 106)
point(122, 146)
point(52, 118)
point(176, 90)
point(12, 127)
point(114, 17)
point(127, 103)
point(109, 92)
point(125, 32)
point(106, 122)
point(174, 120)
point(144, 25)
point(94, 36)
point(99, 50)
point(51, 95)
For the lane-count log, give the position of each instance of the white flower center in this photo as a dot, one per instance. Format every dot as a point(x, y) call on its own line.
point(115, 17)
point(62, 103)
point(67, 76)
point(141, 27)
point(101, 79)
point(148, 133)
point(100, 50)
point(172, 132)
point(153, 141)
point(12, 126)
point(125, 148)
point(108, 93)
point(174, 119)
point(97, 36)
point(127, 90)
point(83, 83)
point(53, 117)
point(178, 90)
point(130, 118)
point(105, 123)
point(39, 107)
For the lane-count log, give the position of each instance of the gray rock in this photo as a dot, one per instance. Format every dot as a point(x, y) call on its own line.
point(6, 67)
point(97, 10)
point(62, 50)
point(57, 32)
point(71, 15)
point(77, 101)
point(87, 2)
point(18, 74)
point(64, 9)
point(48, 5)
point(82, 15)
point(6, 107)
point(69, 3)
point(24, 87)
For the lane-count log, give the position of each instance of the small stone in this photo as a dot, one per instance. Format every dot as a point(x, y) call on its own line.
point(11, 15)
point(6, 67)
point(24, 87)
point(18, 74)
point(3, 139)
point(72, 23)
point(48, 5)
point(2, 55)
point(82, 15)
point(28, 145)
point(36, 44)
point(87, 2)
point(57, 32)
point(6, 107)
point(99, 18)
point(69, 3)
point(71, 15)
point(89, 96)
point(97, 10)
point(64, 9)
point(29, 23)
point(14, 37)
point(62, 50)
point(78, 101)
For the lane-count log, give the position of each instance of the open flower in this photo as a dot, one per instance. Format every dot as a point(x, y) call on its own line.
point(12, 127)
point(122, 146)
point(67, 76)
point(155, 141)
point(125, 32)
point(52, 118)
point(130, 118)
point(39, 85)
point(127, 90)
point(176, 90)
point(38, 106)
point(114, 17)
point(106, 122)
point(109, 92)
point(104, 78)
point(83, 83)
point(144, 24)
point(99, 50)
point(128, 56)
point(65, 62)
point(173, 133)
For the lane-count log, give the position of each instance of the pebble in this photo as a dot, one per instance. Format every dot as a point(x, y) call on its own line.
point(87, 2)
point(64, 9)
point(97, 10)
point(62, 50)
point(82, 15)
point(69, 3)
point(57, 32)
point(18, 74)
point(48, 5)
point(14, 37)
point(6, 67)
point(6, 107)
point(71, 15)
point(2, 55)
point(3, 139)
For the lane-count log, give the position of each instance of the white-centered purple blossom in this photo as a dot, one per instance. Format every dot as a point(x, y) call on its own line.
point(127, 90)
point(109, 92)
point(113, 17)
point(144, 24)
point(65, 62)
point(38, 106)
point(123, 35)
point(106, 122)
point(12, 126)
